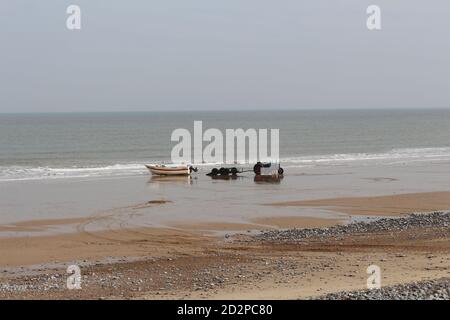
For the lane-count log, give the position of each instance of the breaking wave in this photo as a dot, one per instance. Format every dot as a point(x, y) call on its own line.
point(407, 155)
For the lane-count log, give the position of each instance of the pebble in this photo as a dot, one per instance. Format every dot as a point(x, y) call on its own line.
point(435, 219)
point(424, 290)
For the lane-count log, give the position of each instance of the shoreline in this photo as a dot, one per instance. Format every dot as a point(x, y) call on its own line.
point(323, 212)
point(114, 239)
point(387, 205)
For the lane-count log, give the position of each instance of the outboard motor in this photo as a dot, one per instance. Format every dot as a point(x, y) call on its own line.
point(192, 169)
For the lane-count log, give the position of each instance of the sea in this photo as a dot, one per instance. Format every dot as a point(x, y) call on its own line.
point(89, 145)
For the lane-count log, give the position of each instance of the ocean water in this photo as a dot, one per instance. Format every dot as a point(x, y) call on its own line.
point(52, 146)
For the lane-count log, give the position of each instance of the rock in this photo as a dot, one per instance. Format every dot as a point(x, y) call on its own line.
point(435, 219)
point(425, 290)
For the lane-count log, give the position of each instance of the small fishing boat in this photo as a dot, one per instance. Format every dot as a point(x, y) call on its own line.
point(170, 170)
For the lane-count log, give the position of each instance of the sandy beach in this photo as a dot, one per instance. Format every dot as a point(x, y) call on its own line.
point(230, 260)
point(240, 267)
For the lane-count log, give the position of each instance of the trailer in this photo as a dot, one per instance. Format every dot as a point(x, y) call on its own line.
point(259, 169)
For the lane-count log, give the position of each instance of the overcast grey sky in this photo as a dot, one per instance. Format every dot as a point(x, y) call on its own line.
point(218, 55)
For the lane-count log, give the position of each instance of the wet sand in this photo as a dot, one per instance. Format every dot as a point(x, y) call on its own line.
point(142, 201)
point(128, 242)
point(98, 246)
point(261, 223)
point(120, 240)
point(296, 222)
point(379, 206)
point(141, 238)
point(40, 225)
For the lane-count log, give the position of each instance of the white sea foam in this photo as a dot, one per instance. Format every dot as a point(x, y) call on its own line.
point(28, 173)
point(407, 155)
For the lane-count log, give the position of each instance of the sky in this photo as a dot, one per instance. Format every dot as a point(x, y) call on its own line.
point(145, 55)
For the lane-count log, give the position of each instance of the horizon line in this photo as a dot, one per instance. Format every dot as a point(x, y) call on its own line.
point(229, 110)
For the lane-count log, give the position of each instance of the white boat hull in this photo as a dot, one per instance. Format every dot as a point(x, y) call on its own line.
point(169, 171)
